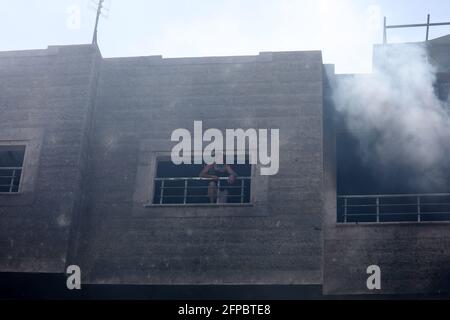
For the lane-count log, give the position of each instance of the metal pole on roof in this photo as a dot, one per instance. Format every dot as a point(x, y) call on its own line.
point(97, 19)
point(428, 25)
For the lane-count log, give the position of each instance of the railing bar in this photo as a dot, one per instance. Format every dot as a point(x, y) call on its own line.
point(198, 179)
point(191, 205)
point(12, 181)
point(242, 191)
point(381, 205)
point(218, 190)
point(199, 196)
point(362, 214)
point(431, 213)
point(418, 209)
point(424, 204)
point(378, 209)
point(206, 187)
point(185, 190)
point(398, 205)
point(395, 196)
point(161, 193)
point(346, 210)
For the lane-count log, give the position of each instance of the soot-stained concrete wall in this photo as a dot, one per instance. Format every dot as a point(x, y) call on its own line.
point(94, 128)
point(46, 98)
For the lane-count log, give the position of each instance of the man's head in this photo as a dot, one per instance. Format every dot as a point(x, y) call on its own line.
point(219, 157)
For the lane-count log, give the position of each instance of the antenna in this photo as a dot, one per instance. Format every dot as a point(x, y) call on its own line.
point(427, 25)
point(101, 9)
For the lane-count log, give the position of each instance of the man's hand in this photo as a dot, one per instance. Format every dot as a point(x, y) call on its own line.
point(231, 179)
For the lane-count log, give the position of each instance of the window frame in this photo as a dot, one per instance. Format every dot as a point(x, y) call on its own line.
point(145, 188)
point(22, 175)
point(152, 196)
point(32, 139)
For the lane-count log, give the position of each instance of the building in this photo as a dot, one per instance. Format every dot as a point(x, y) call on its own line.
point(86, 178)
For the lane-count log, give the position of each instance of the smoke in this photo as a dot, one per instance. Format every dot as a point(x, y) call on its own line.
point(397, 117)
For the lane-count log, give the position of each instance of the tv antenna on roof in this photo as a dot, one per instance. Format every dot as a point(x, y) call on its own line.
point(102, 11)
point(420, 25)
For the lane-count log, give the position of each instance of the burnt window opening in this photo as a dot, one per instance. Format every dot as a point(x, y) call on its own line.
point(442, 87)
point(373, 192)
point(11, 167)
point(182, 185)
point(444, 91)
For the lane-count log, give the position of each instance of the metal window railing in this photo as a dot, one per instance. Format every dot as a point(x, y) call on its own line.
point(184, 191)
point(394, 208)
point(10, 179)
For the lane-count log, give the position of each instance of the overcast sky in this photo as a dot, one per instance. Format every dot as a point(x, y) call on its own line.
point(344, 29)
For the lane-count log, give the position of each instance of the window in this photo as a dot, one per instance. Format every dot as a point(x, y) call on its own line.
point(444, 91)
point(11, 165)
point(442, 87)
point(182, 185)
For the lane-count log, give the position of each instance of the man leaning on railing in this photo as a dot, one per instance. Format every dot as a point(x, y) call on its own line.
point(216, 190)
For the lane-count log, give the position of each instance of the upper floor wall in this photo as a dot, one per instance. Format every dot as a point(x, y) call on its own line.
point(46, 97)
point(276, 239)
point(94, 130)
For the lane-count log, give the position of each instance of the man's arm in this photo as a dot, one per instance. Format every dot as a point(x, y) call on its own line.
point(232, 174)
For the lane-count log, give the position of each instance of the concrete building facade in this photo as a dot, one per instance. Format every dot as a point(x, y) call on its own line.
point(96, 130)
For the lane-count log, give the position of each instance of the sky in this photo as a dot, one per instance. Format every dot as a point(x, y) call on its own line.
point(345, 30)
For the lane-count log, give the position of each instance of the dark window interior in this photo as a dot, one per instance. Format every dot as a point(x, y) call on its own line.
point(442, 86)
point(11, 163)
point(358, 177)
point(444, 91)
point(175, 191)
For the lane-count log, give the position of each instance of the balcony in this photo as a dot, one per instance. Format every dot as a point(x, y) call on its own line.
point(416, 208)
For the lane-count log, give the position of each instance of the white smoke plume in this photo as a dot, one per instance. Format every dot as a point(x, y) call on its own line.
point(397, 117)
